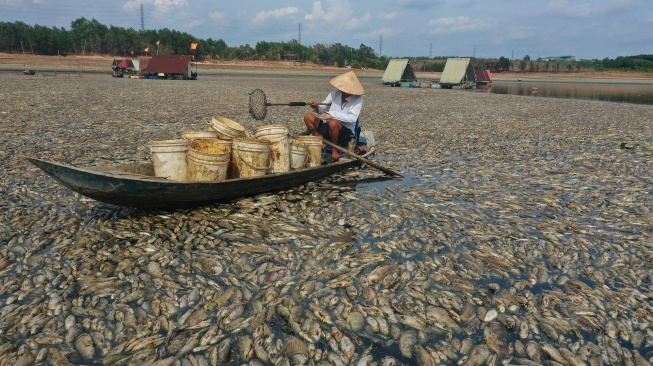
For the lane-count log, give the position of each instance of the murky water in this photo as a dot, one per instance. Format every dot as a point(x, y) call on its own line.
point(611, 92)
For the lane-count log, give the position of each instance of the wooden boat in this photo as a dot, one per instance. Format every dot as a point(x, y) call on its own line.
point(135, 185)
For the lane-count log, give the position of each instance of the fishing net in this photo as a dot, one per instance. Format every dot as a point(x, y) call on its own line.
point(258, 106)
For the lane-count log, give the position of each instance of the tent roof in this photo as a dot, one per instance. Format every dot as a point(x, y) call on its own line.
point(398, 69)
point(454, 70)
point(167, 64)
point(124, 64)
point(483, 75)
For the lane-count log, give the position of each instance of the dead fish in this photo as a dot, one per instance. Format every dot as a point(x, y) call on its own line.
point(84, 345)
point(441, 315)
point(496, 337)
point(477, 356)
point(407, 342)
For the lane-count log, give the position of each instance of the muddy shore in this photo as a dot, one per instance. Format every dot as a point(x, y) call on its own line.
point(521, 232)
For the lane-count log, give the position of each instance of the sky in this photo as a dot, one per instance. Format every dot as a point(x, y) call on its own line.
point(586, 29)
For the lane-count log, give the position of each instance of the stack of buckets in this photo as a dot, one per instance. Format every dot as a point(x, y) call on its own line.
point(226, 152)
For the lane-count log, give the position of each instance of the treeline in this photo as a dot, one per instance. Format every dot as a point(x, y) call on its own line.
point(91, 37)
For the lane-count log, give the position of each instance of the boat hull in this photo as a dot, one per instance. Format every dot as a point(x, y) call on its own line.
point(135, 186)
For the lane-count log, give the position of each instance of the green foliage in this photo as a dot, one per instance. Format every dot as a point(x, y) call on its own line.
point(90, 36)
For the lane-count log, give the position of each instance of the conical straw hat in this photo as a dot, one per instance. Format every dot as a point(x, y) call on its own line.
point(348, 83)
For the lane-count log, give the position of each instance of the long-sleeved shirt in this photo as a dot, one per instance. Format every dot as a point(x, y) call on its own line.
point(347, 113)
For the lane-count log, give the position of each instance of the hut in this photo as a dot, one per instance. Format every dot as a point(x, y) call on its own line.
point(458, 71)
point(483, 77)
point(168, 67)
point(398, 71)
point(122, 66)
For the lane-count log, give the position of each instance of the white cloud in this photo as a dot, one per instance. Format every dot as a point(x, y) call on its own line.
point(389, 16)
point(572, 8)
point(161, 7)
point(195, 23)
point(216, 15)
point(355, 23)
point(459, 25)
point(337, 11)
point(262, 16)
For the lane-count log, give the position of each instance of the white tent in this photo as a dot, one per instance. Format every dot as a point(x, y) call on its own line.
point(398, 70)
point(457, 71)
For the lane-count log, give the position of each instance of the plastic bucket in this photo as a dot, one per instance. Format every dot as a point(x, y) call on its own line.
point(208, 160)
point(169, 159)
point(197, 135)
point(277, 136)
point(250, 157)
point(227, 129)
point(314, 145)
point(298, 154)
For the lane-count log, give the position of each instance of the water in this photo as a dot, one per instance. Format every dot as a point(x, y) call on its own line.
point(611, 92)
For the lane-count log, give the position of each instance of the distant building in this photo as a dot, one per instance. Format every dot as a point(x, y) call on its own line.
point(167, 67)
point(559, 58)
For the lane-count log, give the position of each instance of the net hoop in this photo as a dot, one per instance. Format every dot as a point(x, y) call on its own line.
point(258, 106)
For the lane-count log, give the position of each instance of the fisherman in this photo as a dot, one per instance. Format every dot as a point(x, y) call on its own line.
point(337, 115)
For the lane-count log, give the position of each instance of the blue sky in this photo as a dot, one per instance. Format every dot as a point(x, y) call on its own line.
point(587, 29)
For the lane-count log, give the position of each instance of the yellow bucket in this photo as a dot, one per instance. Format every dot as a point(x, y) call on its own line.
point(314, 145)
point(250, 157)
point(197, 135)
point(208, 160)
point(169, 159)
point(227, 129)
point(298, 154)
point(277, 136)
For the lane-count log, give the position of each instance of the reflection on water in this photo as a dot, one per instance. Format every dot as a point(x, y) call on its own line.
point(623, 93)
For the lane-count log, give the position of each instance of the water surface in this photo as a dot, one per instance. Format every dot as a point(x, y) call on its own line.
point(611, 92)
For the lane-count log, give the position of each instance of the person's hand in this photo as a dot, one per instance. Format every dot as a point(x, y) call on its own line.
point(314, 104)
point(325, 116)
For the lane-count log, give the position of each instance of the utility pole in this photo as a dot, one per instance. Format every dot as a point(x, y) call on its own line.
point(431, 50)
point(142, 19)
point(299, 37)
point(380, 45)
point(474, 52)
point(512, 57)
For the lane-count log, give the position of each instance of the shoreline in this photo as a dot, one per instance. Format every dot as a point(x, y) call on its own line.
point(101, 64)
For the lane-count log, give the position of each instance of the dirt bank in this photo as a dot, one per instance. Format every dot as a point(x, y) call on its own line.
point(101, 63)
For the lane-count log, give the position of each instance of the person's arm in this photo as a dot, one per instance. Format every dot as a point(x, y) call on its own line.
point(326, 104)
point(350, 113)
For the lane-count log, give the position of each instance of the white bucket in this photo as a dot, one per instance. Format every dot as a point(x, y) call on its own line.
point(250, 157)
point(197, 135)
point(277, 136)
point(298, 154)
point(227, 129)
point(169, 159)
point(208, 160)
point(314, 145)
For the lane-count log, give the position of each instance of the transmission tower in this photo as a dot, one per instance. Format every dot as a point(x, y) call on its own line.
point(142, 19)
point(380, 45)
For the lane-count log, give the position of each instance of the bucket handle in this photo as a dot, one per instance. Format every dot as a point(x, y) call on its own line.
point(248, 164)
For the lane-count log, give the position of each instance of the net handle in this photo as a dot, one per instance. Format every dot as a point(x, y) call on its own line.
point(258, 104)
